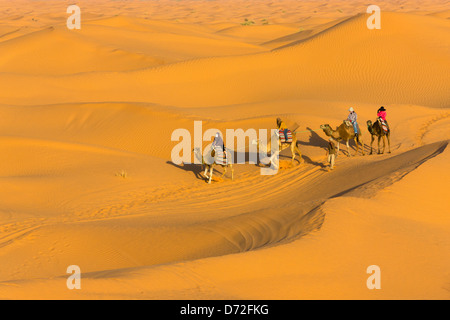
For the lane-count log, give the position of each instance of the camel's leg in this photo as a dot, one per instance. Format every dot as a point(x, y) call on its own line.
point(299, 153)
point(210, 174)
point(293, 153)
point(362, 145)
point(371, 143)
point(348, 149)
point(384, 144)
point(363, 152)
point(379, 144)
point(357, 146)
point(224, 171)
point(389, 142)
point(232, 172)
point(271, 159)
point(206, 170)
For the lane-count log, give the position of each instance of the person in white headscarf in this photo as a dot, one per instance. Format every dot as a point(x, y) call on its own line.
point(219, 147)
point(218, 141)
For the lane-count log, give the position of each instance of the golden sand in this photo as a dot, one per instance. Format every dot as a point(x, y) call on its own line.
point(86, 176)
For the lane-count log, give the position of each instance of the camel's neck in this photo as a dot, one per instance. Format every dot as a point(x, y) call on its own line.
point(330, 132)
point(268, 146)
point(335, 134)
point(199, 157)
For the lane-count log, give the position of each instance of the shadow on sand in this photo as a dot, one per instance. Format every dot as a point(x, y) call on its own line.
point(315, 140)
point(196, 169)
point(244, 157)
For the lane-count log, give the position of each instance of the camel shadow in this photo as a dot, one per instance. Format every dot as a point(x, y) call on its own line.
point(314, 140)
point(244, 157)
point(315, 163)
point(286, 155)
point(196, 169)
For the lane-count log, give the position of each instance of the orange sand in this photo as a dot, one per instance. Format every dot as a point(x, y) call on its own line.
point(80, 107)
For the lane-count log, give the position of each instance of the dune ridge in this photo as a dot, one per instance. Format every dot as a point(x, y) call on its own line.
point(201, 82)
point(87, 178)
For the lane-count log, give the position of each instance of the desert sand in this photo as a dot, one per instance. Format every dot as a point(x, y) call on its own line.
point(87, 179)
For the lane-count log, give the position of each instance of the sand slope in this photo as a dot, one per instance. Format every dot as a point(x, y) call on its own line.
point(86, 175)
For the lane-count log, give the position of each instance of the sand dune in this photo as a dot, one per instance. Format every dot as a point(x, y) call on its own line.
point(343, 70)
point(308, 29)
point(257, 33)
point(201, 237)
point(122, 51)
point(281, 219)
point(172, 41)
point(441, 14)
point(87, 176)
point(29, 55)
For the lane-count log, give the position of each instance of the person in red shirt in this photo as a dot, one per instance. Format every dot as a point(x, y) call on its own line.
point(381, 114)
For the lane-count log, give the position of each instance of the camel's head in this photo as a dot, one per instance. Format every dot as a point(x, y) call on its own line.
point(325, 127)
point(278, 122)
point(256, 143)
point(197, 153)
point(369, 123)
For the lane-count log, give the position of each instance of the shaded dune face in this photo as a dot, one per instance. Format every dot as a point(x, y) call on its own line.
point(87, 178)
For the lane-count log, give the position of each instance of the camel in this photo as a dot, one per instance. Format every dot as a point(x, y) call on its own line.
point(210, 167)
point(282, 146)
point(375, 129)
point(345, 133)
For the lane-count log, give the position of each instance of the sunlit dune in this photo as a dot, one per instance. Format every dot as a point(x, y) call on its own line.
point(87, 178)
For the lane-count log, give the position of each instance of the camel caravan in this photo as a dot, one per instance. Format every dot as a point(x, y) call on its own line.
point(287, 139)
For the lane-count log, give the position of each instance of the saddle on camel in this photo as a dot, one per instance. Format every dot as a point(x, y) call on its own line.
point(284, 133)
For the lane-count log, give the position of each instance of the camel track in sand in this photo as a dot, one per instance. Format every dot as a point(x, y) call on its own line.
point(424, 129)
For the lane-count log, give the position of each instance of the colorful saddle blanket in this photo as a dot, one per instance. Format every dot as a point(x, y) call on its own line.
point(220, 157)
point(285, 136)
point(383, 125)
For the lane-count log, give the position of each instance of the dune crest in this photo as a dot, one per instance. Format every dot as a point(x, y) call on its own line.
point(87, 176)
point(365, 65)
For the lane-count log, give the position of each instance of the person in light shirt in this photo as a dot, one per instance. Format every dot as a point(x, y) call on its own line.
point(353, 118)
